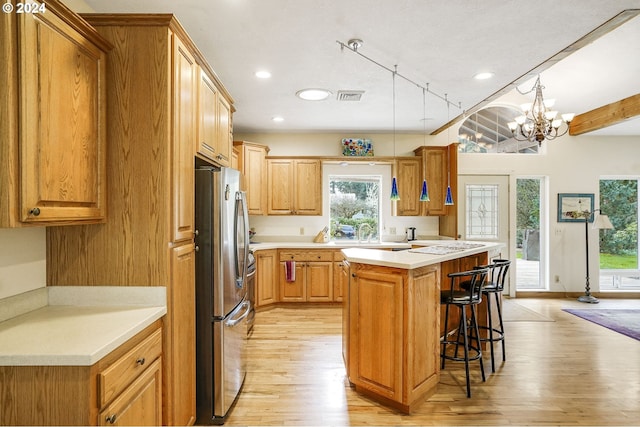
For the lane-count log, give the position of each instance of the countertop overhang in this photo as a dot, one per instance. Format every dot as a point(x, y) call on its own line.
point(410, 259)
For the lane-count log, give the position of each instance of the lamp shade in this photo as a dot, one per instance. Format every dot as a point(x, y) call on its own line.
point(602, 222)
point(424, 195)
point(394, 189)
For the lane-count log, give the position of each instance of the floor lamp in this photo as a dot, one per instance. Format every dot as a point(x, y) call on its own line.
point(599, 222)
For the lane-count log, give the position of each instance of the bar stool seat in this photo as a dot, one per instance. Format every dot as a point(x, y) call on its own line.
point(464, 299)
point(494, 285)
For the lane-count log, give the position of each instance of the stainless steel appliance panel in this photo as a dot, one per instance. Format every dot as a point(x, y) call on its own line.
point(222, 238)
point(230, 357)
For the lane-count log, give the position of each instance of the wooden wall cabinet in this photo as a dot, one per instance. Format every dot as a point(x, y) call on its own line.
point(294, 186)
point(124, 388)
point(214, 122)
point(440, 168)
point(313, 276)
point(266, 277)
point(253, 164)
point(409, 175)
point(434, 169)
point(148, 239)
point(53, 105)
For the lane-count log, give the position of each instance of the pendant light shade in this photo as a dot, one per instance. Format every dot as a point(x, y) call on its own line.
point(448, 201)
point(424, 195)
point(394, 189)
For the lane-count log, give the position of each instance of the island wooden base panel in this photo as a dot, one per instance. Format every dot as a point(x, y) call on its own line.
point(562, 372)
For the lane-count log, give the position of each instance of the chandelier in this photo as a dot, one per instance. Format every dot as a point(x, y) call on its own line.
point(539, 121)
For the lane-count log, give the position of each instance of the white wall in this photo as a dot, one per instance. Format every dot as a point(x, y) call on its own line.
point(22, 260)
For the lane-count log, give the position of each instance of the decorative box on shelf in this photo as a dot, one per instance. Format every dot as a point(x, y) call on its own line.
point(357, 147)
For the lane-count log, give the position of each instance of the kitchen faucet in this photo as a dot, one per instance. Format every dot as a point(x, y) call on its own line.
point(360, 229)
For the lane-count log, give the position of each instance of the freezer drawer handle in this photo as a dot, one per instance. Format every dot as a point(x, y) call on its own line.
point(232, 322)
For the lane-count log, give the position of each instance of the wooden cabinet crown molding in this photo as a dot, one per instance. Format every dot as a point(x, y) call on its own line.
point(77, 23)
point(160, 20)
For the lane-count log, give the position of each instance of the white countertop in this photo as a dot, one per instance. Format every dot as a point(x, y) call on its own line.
point(410, 259)
point(328, 245)
point(79, 325)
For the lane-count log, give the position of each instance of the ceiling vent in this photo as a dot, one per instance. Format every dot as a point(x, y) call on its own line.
point(350, 95)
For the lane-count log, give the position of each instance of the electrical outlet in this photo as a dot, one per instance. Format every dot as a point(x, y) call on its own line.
point(302, 231)
point(556, 278)
point(392, 230)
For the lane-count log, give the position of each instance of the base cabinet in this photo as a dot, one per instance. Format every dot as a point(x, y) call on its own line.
point(124, 388)
point(393, 341)
point(266, 283)
point(313, 281)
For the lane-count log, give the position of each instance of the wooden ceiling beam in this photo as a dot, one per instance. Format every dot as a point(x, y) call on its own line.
point(605, 116)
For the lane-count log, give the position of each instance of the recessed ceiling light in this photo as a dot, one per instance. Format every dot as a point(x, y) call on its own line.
point(313, 94)
point(263, 74)
point(483, 76)
point(277, 119)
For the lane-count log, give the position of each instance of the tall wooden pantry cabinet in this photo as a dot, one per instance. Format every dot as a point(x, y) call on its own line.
point(153, 75)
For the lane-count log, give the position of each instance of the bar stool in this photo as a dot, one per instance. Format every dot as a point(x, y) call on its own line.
point(463, 298)
point(494, 285)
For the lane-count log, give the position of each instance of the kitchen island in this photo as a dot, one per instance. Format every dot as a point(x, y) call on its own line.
point(392, 317)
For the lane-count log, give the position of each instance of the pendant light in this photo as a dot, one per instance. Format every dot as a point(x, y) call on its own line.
point(448, 200)
point(394, 182)
point(424, 194)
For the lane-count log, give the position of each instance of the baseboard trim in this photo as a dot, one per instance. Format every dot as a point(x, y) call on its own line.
point(599, 295)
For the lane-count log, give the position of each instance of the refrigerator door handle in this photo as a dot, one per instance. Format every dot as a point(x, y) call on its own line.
point(233, 320)
point(241, 220)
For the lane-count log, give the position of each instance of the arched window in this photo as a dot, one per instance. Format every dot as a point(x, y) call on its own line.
point(486, 131)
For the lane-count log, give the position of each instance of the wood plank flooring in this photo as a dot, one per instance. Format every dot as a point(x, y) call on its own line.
point(566, 372)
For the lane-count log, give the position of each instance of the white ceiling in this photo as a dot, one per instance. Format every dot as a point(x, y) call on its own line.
point(442, 43)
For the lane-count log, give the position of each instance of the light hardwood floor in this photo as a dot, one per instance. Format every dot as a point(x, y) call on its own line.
point(563, 372)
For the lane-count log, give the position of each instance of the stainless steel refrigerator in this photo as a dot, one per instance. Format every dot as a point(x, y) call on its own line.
point(222, 306)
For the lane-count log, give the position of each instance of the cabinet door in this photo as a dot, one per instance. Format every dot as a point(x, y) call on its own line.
point(340, 277)
point(436, 169)
point(185, 80)
point(295, 290)
point(320, 281)
point(375, 317)
point(140, 404)
point(180, 338)
point(266, 291)
point(224, 141)
point(408, 172)
point(254, 168)
point(207, 117)
point(308, 187)
point(280, 183)
point(62, 108)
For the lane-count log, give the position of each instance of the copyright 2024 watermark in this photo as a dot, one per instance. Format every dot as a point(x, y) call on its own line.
point(21, 8)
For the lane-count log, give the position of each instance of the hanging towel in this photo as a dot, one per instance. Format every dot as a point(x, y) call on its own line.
point(290, 271)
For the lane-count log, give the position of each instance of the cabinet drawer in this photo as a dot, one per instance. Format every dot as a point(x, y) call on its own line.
point(126, 369)
point(306, 256)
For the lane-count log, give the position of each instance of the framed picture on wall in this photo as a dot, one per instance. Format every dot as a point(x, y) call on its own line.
point(574, 207)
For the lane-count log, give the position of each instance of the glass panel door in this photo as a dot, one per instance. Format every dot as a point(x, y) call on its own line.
point(530, 226)
point(619, 262)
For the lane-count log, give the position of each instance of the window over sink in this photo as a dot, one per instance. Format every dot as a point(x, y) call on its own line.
point(354, 200)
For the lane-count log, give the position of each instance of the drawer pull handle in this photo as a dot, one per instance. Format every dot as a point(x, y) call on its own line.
point(140, 361)
point(111, 419)
point(34, 211)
